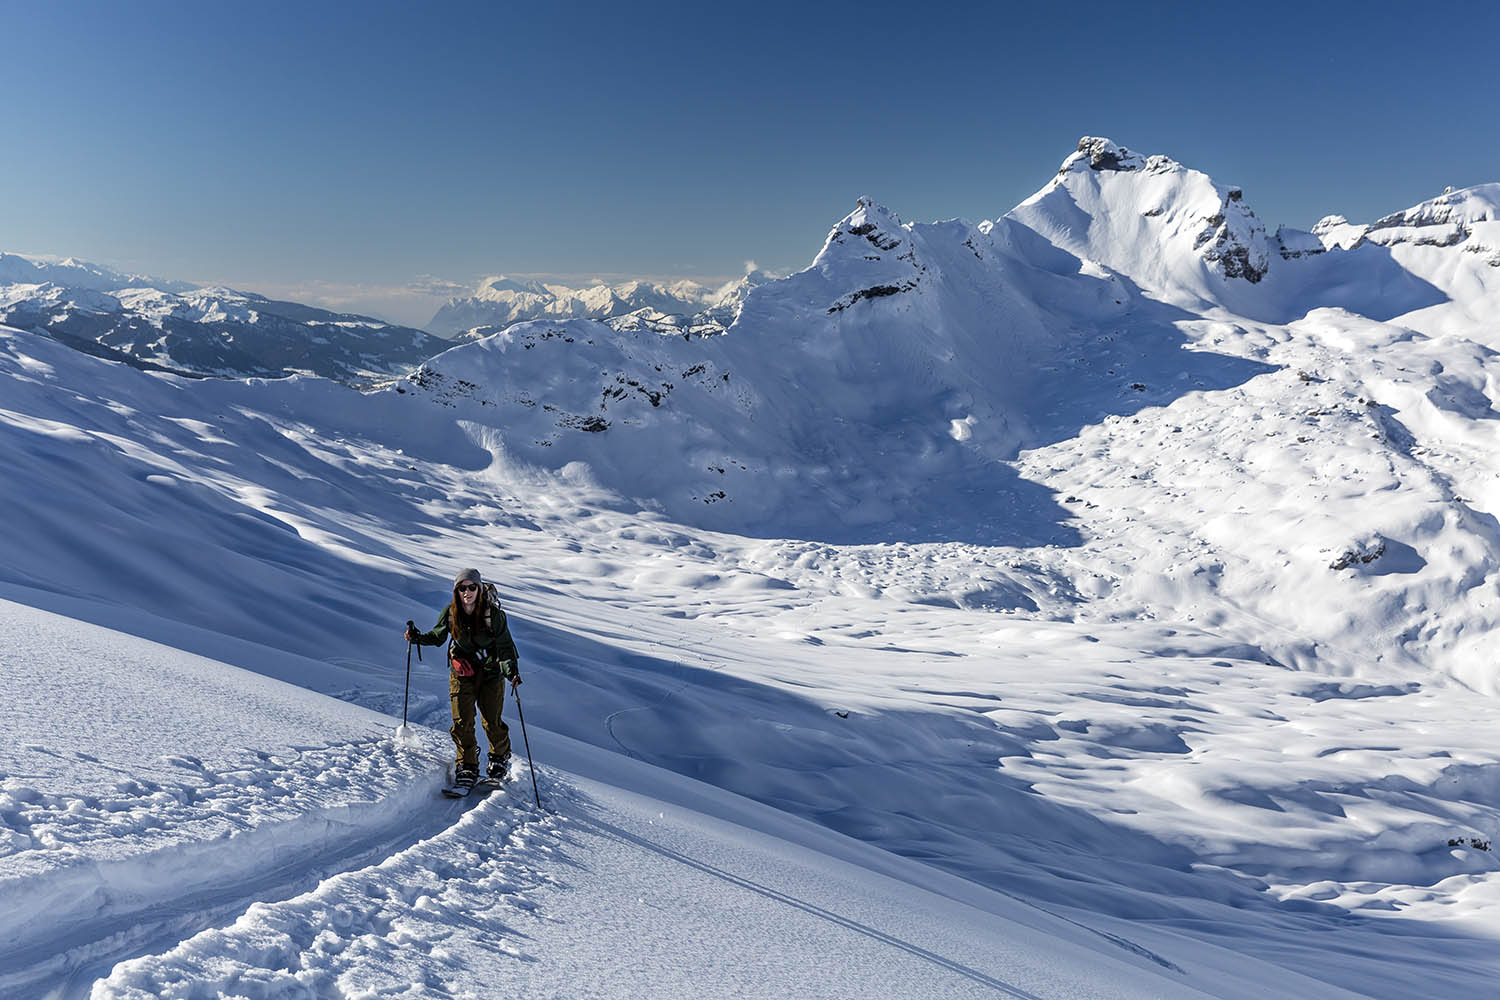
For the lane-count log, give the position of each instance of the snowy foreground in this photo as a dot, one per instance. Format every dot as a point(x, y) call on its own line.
point(1092, 602)
point(210, 824)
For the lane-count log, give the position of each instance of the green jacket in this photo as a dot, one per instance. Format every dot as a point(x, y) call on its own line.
point(488, 646)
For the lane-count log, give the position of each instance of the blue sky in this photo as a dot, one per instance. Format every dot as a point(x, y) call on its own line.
point(342, 152)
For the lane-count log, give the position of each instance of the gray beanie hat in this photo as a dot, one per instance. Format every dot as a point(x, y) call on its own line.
point(466, 576)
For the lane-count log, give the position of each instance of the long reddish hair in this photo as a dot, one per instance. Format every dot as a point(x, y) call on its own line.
point(458, 622)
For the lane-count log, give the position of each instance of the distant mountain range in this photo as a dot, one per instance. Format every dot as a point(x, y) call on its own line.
point(161, 324)
point(166, 325)
point(937, 349)
point(667, 307)
point(1129, 353)
point(1128, 220)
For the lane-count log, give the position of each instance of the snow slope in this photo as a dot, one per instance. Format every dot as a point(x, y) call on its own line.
point(731, 661)
point(1077, 570)
point(140, 781)
point(204, 787)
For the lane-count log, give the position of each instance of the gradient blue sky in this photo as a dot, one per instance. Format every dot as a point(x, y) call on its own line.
point(342, 152)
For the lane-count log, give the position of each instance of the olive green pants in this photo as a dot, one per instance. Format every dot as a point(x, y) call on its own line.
point(487, 695)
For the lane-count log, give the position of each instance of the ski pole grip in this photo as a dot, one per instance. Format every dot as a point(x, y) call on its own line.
point(412, 627)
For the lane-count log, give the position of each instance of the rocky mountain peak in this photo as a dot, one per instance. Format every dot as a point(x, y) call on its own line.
point(870, 217)
point(1463, 207)
point(500, 285)
point(1095, 153)
point(871, 228)
point(1149, 216)
point(1467, 217)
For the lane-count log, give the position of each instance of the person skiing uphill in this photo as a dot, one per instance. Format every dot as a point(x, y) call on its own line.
point(480, 655)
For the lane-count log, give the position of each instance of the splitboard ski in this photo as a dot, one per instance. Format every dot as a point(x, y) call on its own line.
point(481, 787)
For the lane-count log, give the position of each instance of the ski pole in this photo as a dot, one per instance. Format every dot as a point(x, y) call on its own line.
point(522, 715)
point(404, 734)
point(406, 697)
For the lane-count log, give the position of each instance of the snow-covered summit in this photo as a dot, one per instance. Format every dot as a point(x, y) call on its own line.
point(1462, 208)
point(1165, 225)
point(877, 224)
point(911, 360)
point(69, 272)
point(1095, 153)
point(870, 247)
point(497, 287)
point(1467, 219)
point(1335, 232)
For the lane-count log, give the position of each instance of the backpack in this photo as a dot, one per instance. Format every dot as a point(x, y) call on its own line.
point(491, 605)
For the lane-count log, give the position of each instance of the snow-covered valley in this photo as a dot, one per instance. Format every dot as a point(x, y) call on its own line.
point(1090, 602)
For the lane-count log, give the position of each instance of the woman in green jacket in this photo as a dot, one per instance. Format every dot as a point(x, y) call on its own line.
point(480, 655)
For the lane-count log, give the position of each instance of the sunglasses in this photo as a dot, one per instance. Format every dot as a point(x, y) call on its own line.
point(464, 588)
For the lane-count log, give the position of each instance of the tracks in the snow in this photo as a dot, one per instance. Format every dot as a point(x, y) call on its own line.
point(65, 964)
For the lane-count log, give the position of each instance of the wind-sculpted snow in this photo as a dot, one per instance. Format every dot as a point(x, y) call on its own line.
point(1341, 446)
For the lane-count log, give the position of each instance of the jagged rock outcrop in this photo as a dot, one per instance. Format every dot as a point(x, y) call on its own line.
point(1294, 244)
point(1468, 218)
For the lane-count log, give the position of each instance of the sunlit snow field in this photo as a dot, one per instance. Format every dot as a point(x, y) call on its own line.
point(1067, 622)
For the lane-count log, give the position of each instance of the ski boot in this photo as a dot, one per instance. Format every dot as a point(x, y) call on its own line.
point(463, 783)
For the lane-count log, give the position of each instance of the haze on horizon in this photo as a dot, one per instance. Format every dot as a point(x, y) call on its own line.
point(384, 162)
